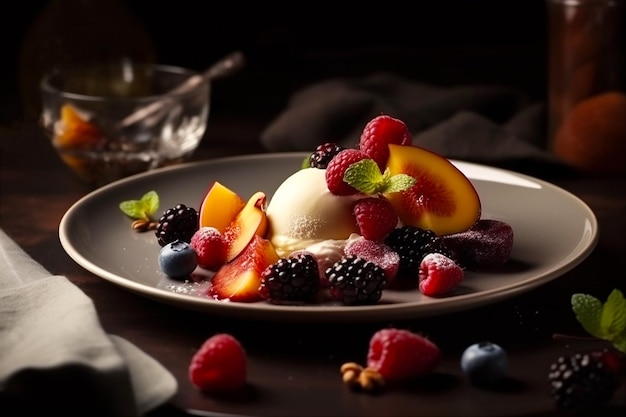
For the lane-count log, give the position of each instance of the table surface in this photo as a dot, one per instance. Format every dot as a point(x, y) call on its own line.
point(294, 368)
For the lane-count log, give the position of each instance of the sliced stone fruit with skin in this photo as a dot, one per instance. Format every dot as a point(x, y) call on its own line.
point(219, 207)
point(250, 221)
point(443, 199)
point(240, 279)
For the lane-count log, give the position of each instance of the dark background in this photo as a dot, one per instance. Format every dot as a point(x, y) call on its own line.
point(287, 45)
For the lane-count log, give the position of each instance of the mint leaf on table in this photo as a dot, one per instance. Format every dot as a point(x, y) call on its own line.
point(141, 209)
point(365, 176)
point(603, 320)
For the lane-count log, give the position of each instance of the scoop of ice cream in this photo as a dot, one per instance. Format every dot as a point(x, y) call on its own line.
point(303, 212)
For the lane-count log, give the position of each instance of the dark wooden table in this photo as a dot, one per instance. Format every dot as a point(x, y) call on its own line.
point(294, 368)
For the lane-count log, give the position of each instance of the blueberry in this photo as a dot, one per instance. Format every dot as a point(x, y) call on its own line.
point(484, 363)
point(178, 259)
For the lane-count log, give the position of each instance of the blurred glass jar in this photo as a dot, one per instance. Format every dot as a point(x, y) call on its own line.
point(85, 113)
point(79, 33)
point(587, 80)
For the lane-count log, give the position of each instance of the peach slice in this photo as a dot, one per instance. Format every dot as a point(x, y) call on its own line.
point(75, 132)
point(250, 221)
point(240, 279)
point(443, 199)
point(219, 207)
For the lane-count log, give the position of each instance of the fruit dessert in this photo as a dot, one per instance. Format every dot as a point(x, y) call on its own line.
point(346, 226)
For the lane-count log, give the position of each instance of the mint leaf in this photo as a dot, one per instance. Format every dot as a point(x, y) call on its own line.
point(588, 310)
point(365, 176)
point(619, 343)
point(613, 320)
point(143, 208)
point(306, 162)
point(603, 320)
point(398, 182)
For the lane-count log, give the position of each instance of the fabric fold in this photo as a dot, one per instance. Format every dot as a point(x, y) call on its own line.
point(55, 354)
point(490, 124)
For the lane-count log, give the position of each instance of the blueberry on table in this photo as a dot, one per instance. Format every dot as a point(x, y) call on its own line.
point(484, 363)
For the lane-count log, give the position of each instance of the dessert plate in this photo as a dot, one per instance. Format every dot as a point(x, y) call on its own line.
point(553, 232)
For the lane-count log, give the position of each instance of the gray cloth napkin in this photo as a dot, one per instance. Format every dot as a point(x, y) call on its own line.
point(494, 125)
point(54, 355)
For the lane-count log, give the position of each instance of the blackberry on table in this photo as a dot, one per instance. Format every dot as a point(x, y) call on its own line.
point(583, 380)
point(323, 154)
point(355, 280)
point(412, 244)
point(291, 279)
point(177, 223)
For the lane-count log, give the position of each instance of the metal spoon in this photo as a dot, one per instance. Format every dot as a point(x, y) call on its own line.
point(225, 66)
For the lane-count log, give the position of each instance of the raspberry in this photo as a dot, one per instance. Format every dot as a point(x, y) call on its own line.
point(438, 274)
point(412, 244)
point(584, 380)
point(291, 279)
point(399, 354)
point(380, 132)
point(219, 365)
point(177, 223)
point(375, 217)
point(323, 154)
point(336, 169)
point(210, 246)
point(378, 253)
point(354, 280)
point(487, 243)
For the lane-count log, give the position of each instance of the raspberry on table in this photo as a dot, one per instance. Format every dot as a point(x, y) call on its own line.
point(380, 132)
point(399, 354)
point(376, 217)
point(438, 274)
point(220, 365)
point(177, 223)
point(354, 280)
point(323, 154)
point(295, 278)
point(210, 246)
point(337, 168)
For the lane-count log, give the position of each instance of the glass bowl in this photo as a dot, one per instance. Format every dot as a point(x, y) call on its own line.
point(110, 122)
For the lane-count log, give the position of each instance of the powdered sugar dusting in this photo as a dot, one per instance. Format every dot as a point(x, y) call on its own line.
point(489, 242)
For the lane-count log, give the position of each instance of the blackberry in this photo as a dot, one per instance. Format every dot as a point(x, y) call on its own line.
point(323, 154)
point(177, 223)
point(291, 279)
point(354, 280)
point(583, 380)
point(412, 244)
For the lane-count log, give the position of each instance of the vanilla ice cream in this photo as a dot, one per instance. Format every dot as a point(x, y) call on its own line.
point(303, 212)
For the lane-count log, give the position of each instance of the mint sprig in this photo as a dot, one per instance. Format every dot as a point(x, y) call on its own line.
point(606, 320)
point(365, 176)
point(141, 209)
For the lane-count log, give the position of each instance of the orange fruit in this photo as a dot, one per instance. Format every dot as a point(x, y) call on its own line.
point(592, 137)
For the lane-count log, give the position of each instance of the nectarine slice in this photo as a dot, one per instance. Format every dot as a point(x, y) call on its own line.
point(219, 207)
point(240, 279)
point(250, 221)
point(443, 199)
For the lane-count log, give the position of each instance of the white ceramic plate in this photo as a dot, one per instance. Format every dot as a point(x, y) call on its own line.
point(554, 231)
